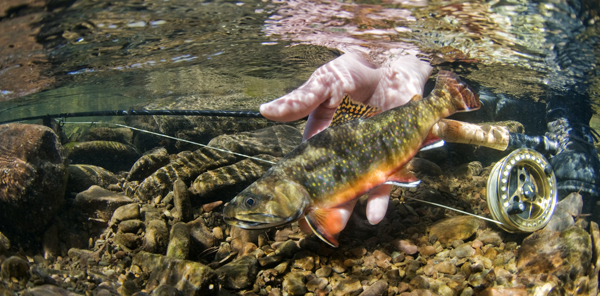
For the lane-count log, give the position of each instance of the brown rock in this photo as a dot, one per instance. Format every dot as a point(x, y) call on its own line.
point(97, 202)
point(33, 174)
point(455, 228)
point(157, 237)
point(201, 236)
point(405, 246)
point(83, 176)
point(427, 251)
point(181, 201)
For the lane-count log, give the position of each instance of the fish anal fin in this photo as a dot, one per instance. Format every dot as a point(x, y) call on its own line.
point(350, 110)
point(431, 142)
point(403, 178)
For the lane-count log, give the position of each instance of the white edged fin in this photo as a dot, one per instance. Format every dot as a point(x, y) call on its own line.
point(433, 145)
point(412, 184)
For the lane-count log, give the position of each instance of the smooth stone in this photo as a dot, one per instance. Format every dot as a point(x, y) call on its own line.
point(424, 166)
point(304, 260)
point(349, 286)
point(201, 236)
point(179, 242)
point(156, 237)
point(380, 287)
point(287, 249)
point(148, 164)
point(128, 240)
point(189, 277)
point(50, 243)
point(316, 283)
point(218, 233)
point(405, 246)
point(33, 171)
point(83, 176)
point(113, 156)
point(500, 291)
point(238, 274)
point(473, 168)
point(209, 207)
point(270, 260)
point(230, 180)
point(488, 236)
point(166, 290)
point(14, 267)
point(566, 255)
point(97, 202)
point(181, 201)
point(427, 251)
point(564, 213)
point(463, 251)
point(323, 272)
point(420, 282)
point(125, 212)
point(293, 283)
point(445, 267)
point(454, 228)
point(130, 226)
point(49, 290)
point(4, 243)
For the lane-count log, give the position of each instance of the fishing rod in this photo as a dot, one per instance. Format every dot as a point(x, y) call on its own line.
point(216, 113)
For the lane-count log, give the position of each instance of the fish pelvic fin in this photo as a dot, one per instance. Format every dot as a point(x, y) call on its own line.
point(463, 97)
point(327, 223)
point(431, 142)
point(350, 110)
point(403, 178)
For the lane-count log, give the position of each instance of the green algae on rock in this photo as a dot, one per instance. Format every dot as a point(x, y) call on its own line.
point(113, 156)
point(189, 277)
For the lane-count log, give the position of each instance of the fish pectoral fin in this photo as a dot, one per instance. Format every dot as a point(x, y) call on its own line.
point(327, 223)
point(403, 178)
point(350, 110)
point(431, 142)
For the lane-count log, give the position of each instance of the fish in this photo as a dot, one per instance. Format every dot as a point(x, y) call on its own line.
point(321, 179)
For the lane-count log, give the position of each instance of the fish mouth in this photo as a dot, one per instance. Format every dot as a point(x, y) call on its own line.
point(257, 223)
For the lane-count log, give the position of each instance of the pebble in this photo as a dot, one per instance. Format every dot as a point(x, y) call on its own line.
point(269, 260)
point(350, 286)
point(4, 243)
point(179, 241)
point(130, 226)
point(323, 272)
point(304, 260)
point(287, 249)
point(463, 251)
point(97, 202)
point(209, 207)
point(128, 240)
point(238, 274)
point(165, 290)
point(446, 267)
point(201, 236)
point(218, 233)
point(156, 237)
point(181, 201)
point(419, 282)
point(316, 283)
point(380, 287)
point(454, 228)
point(427, 251)
point(125, 212)
point(14, 267)
point(405, 246)
point(293, 283)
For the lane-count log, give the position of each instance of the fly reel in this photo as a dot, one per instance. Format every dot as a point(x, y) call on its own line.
point(521, 191)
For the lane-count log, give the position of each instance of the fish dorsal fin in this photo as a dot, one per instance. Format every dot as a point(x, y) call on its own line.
point(350, 110)
point(416, 98)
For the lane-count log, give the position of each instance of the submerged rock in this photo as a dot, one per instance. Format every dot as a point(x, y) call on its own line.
point(33, 174)
point(189, 277)
point(224, 182)
point(238, 274)
point(179, 241)
point(14, 267)
point(113, 156)
point(276, 141)
point(83, 176)
point(148, 164)
point(97, 202)
point(455, 228)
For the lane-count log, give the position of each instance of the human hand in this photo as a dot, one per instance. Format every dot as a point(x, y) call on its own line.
point(386, 87)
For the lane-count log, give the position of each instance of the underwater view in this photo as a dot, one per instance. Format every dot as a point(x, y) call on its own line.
point(295, 147)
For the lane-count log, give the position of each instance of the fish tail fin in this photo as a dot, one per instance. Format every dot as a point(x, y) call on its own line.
point(463, 97)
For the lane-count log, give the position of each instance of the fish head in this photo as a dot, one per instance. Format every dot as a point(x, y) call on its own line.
point(266, 203)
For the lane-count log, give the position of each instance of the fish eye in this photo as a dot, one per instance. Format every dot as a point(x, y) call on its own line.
point(249, 201)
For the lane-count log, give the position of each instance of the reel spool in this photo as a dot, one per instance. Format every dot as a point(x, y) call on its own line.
point(521, 191)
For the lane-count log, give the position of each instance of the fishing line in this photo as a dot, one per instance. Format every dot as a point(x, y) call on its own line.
point(173, 138)
point(456, 210)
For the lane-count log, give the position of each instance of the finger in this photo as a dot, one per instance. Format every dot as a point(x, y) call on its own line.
point(377, 203)
point(318, 120)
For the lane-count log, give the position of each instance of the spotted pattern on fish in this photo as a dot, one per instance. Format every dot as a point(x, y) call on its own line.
point(343, 162)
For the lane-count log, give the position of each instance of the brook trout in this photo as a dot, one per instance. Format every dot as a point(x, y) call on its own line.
point(329, 171)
